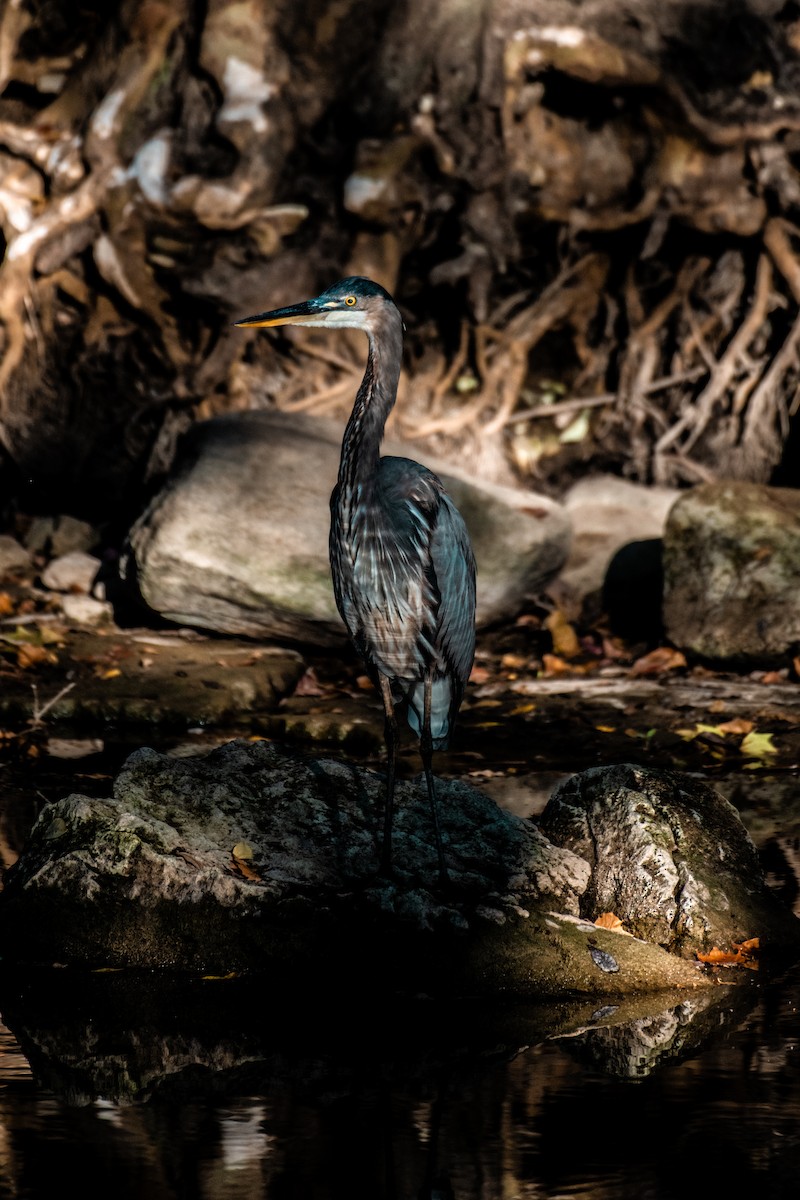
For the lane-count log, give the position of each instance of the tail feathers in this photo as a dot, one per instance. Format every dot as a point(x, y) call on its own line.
point(441, 699)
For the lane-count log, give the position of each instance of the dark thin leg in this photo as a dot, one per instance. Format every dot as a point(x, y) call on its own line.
point(390, 736)
point(426, 750)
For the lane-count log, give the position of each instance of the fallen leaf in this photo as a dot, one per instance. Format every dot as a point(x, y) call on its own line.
point(748, 946)
point(479, 675)
point(796, 665)
point(554, 665)
point(189, 858)
point(308, 684)
point(112, 673)
point(242, 864)
point(743, 954)
point(659, 661)
point(736, 725)
point(720, 958)
point(608, 920)
point(6, 604)
point(757, 745)
point(773, 677)
point(513, 662)
point(32, 656)
point(521, 710)
point(566, 643)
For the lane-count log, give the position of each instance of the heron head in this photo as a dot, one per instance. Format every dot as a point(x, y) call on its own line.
point(352, 303)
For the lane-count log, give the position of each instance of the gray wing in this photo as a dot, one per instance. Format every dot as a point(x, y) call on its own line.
point(453, 564)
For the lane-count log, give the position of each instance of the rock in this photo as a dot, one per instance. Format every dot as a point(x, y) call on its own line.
point(614, 563)
point(85, 610)
point(60, 535)
point(13, 557)
point(732, 573)
point(237, 541)
point(253, 858)
point(73, 572)
point(669, 856)
point(171, 681)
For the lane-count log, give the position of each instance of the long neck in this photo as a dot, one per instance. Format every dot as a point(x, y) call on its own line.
point(374, 401)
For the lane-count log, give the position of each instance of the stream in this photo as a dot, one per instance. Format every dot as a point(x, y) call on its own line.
point(147, 1085)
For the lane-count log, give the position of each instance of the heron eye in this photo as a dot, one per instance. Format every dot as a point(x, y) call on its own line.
point(350, 301)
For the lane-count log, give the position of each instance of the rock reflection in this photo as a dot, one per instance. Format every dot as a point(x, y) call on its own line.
point(217, 1090)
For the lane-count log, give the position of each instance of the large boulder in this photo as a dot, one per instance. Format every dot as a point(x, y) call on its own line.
point(732, 573)
point(669, 857)
point(237, 540)
point(255, 859)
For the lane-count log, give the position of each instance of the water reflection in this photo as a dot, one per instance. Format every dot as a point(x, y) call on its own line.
point(220, 1092)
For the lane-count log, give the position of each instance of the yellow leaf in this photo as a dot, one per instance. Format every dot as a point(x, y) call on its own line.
point(111, 674)
point(758, 745)
point(565, 639)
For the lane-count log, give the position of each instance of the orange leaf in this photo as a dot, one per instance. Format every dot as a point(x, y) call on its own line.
point(608, 920)
point(553, 665)
point(743, 954)
point(749, 946)
point(736, 725)
point(6, 604)
point(658, 661)
point(111, 674)
point(719, 957)
point(31, 656)
point(773, 677)
point(479, 675)
point(244, 868)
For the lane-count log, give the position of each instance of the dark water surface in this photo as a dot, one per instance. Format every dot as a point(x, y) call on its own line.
point(126, 1086)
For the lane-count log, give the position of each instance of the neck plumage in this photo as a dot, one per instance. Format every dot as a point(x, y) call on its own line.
point(374, 401)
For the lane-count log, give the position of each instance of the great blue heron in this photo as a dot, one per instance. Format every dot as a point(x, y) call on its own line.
point(402, 564)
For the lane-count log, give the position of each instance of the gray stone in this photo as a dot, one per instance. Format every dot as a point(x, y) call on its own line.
point(85, 610)
point(608, 514)
point(237, 541)
point(73, 572)
point(60, 535)
point(669, 856)
point(732, 573)
point(13, 557)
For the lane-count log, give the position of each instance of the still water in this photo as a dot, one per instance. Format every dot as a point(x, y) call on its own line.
point(155, 1110)
point(130, 1086)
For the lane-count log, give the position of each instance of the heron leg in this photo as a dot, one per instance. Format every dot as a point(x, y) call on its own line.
point(390, 737)
point(426, 751)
